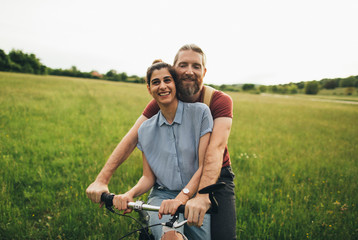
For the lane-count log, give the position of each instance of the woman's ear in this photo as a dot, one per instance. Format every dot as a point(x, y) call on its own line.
point(148, 87)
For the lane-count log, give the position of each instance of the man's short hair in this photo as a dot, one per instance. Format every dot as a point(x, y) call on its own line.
point(192, 47)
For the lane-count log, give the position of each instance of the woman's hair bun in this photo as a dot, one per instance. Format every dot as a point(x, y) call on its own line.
point(157, 61)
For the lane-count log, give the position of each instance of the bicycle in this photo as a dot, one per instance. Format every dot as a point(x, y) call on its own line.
point(173, 223)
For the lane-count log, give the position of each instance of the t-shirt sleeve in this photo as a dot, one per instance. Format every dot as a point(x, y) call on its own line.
point(151, 109)
point(206, 122)
point(221, 105)
point(139, 145)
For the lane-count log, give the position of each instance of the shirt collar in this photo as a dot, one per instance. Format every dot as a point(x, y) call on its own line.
point(178, 115)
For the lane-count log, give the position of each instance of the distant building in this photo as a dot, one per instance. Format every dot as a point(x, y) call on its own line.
point(96, 74)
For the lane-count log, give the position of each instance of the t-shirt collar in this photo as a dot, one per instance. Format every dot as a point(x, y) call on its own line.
point(178, 115)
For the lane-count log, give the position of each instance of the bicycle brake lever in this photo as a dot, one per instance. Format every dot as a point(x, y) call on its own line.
point(177, 225)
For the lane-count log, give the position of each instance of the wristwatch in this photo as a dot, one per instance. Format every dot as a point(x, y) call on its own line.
point(186, 191)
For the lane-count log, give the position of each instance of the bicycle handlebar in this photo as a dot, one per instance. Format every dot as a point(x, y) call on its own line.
point(107, 198)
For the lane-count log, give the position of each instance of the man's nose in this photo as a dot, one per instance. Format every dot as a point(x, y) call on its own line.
point(189, 71)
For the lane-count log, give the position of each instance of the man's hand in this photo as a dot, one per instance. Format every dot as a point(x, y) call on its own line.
point(95, 190)
point(196, 208)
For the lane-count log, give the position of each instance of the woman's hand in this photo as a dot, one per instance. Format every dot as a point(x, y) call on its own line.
point(169, 206)
point(121, 202)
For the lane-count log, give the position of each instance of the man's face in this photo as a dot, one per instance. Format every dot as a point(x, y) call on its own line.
point(190, 71)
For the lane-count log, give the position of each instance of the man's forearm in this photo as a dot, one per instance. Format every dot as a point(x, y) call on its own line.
point(212, 168)
point(215, 152)
point(119, 155)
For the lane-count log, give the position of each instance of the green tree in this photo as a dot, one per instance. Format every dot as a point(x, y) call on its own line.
point(4, 61)
point(111, 74)
point(312, 87)
point(330, 84)
point(124, 76)
point(274, 89)
point(300, 85)
point(348, 82)
point(263, 88)
point(292, 89)
point(248, 87)
point(23, 62)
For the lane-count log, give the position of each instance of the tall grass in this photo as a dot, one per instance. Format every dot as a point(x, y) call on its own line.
point(295, 160)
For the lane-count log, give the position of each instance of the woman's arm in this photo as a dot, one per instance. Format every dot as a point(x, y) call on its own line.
point(170, 206)
point(144, 184)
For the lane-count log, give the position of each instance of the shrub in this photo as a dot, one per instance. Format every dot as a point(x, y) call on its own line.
point(312, 87)
point(248, 87)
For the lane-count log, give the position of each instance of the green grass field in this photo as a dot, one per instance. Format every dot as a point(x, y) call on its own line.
point(295, 160)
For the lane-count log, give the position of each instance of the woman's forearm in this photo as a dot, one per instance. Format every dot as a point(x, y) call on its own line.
point(144, 185)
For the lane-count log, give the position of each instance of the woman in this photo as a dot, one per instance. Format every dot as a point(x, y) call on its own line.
point(173, 143)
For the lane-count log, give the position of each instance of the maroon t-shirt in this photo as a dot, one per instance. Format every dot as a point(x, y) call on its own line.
point(221, 106)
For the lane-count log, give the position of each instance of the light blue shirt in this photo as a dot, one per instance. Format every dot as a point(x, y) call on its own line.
point(172, 149)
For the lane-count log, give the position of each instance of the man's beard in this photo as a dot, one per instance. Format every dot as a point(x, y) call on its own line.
point(188, 90)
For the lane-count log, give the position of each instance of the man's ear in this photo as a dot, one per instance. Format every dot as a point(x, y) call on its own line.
point(204, 72)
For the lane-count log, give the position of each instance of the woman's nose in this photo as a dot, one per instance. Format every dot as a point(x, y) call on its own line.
point(162, 85)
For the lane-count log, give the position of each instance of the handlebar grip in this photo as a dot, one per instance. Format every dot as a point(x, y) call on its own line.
point(107, 198)
point(181, 209)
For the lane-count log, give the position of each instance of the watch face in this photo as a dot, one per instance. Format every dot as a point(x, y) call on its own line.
point(185, 190)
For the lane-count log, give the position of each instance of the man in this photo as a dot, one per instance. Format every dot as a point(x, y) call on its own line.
point(189, 64)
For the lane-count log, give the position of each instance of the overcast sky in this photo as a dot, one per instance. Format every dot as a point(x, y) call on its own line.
point(252, 41)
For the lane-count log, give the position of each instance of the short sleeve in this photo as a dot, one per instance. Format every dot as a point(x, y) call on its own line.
point(221, 105)
point(151, 109)
point(139, 145)
point(206, 122)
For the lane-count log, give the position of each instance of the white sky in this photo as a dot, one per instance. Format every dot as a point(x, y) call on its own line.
point(246, 41)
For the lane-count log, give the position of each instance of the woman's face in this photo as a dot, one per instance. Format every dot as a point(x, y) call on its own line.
point(162, 86)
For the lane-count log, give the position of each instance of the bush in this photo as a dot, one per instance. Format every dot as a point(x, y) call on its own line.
point(331, 84)
point(350, 90)
point(263, 88)
point(293, 89)
point(348, 82)
point(248, 87)
point(312, 87)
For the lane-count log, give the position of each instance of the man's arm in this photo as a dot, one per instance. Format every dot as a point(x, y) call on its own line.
point(197, 207)
point(119, 155)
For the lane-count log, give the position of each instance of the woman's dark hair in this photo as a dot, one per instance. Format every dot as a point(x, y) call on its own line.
point(157, 65)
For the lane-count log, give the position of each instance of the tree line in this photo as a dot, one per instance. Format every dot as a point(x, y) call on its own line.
point(18, 61)
point(309, 87)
